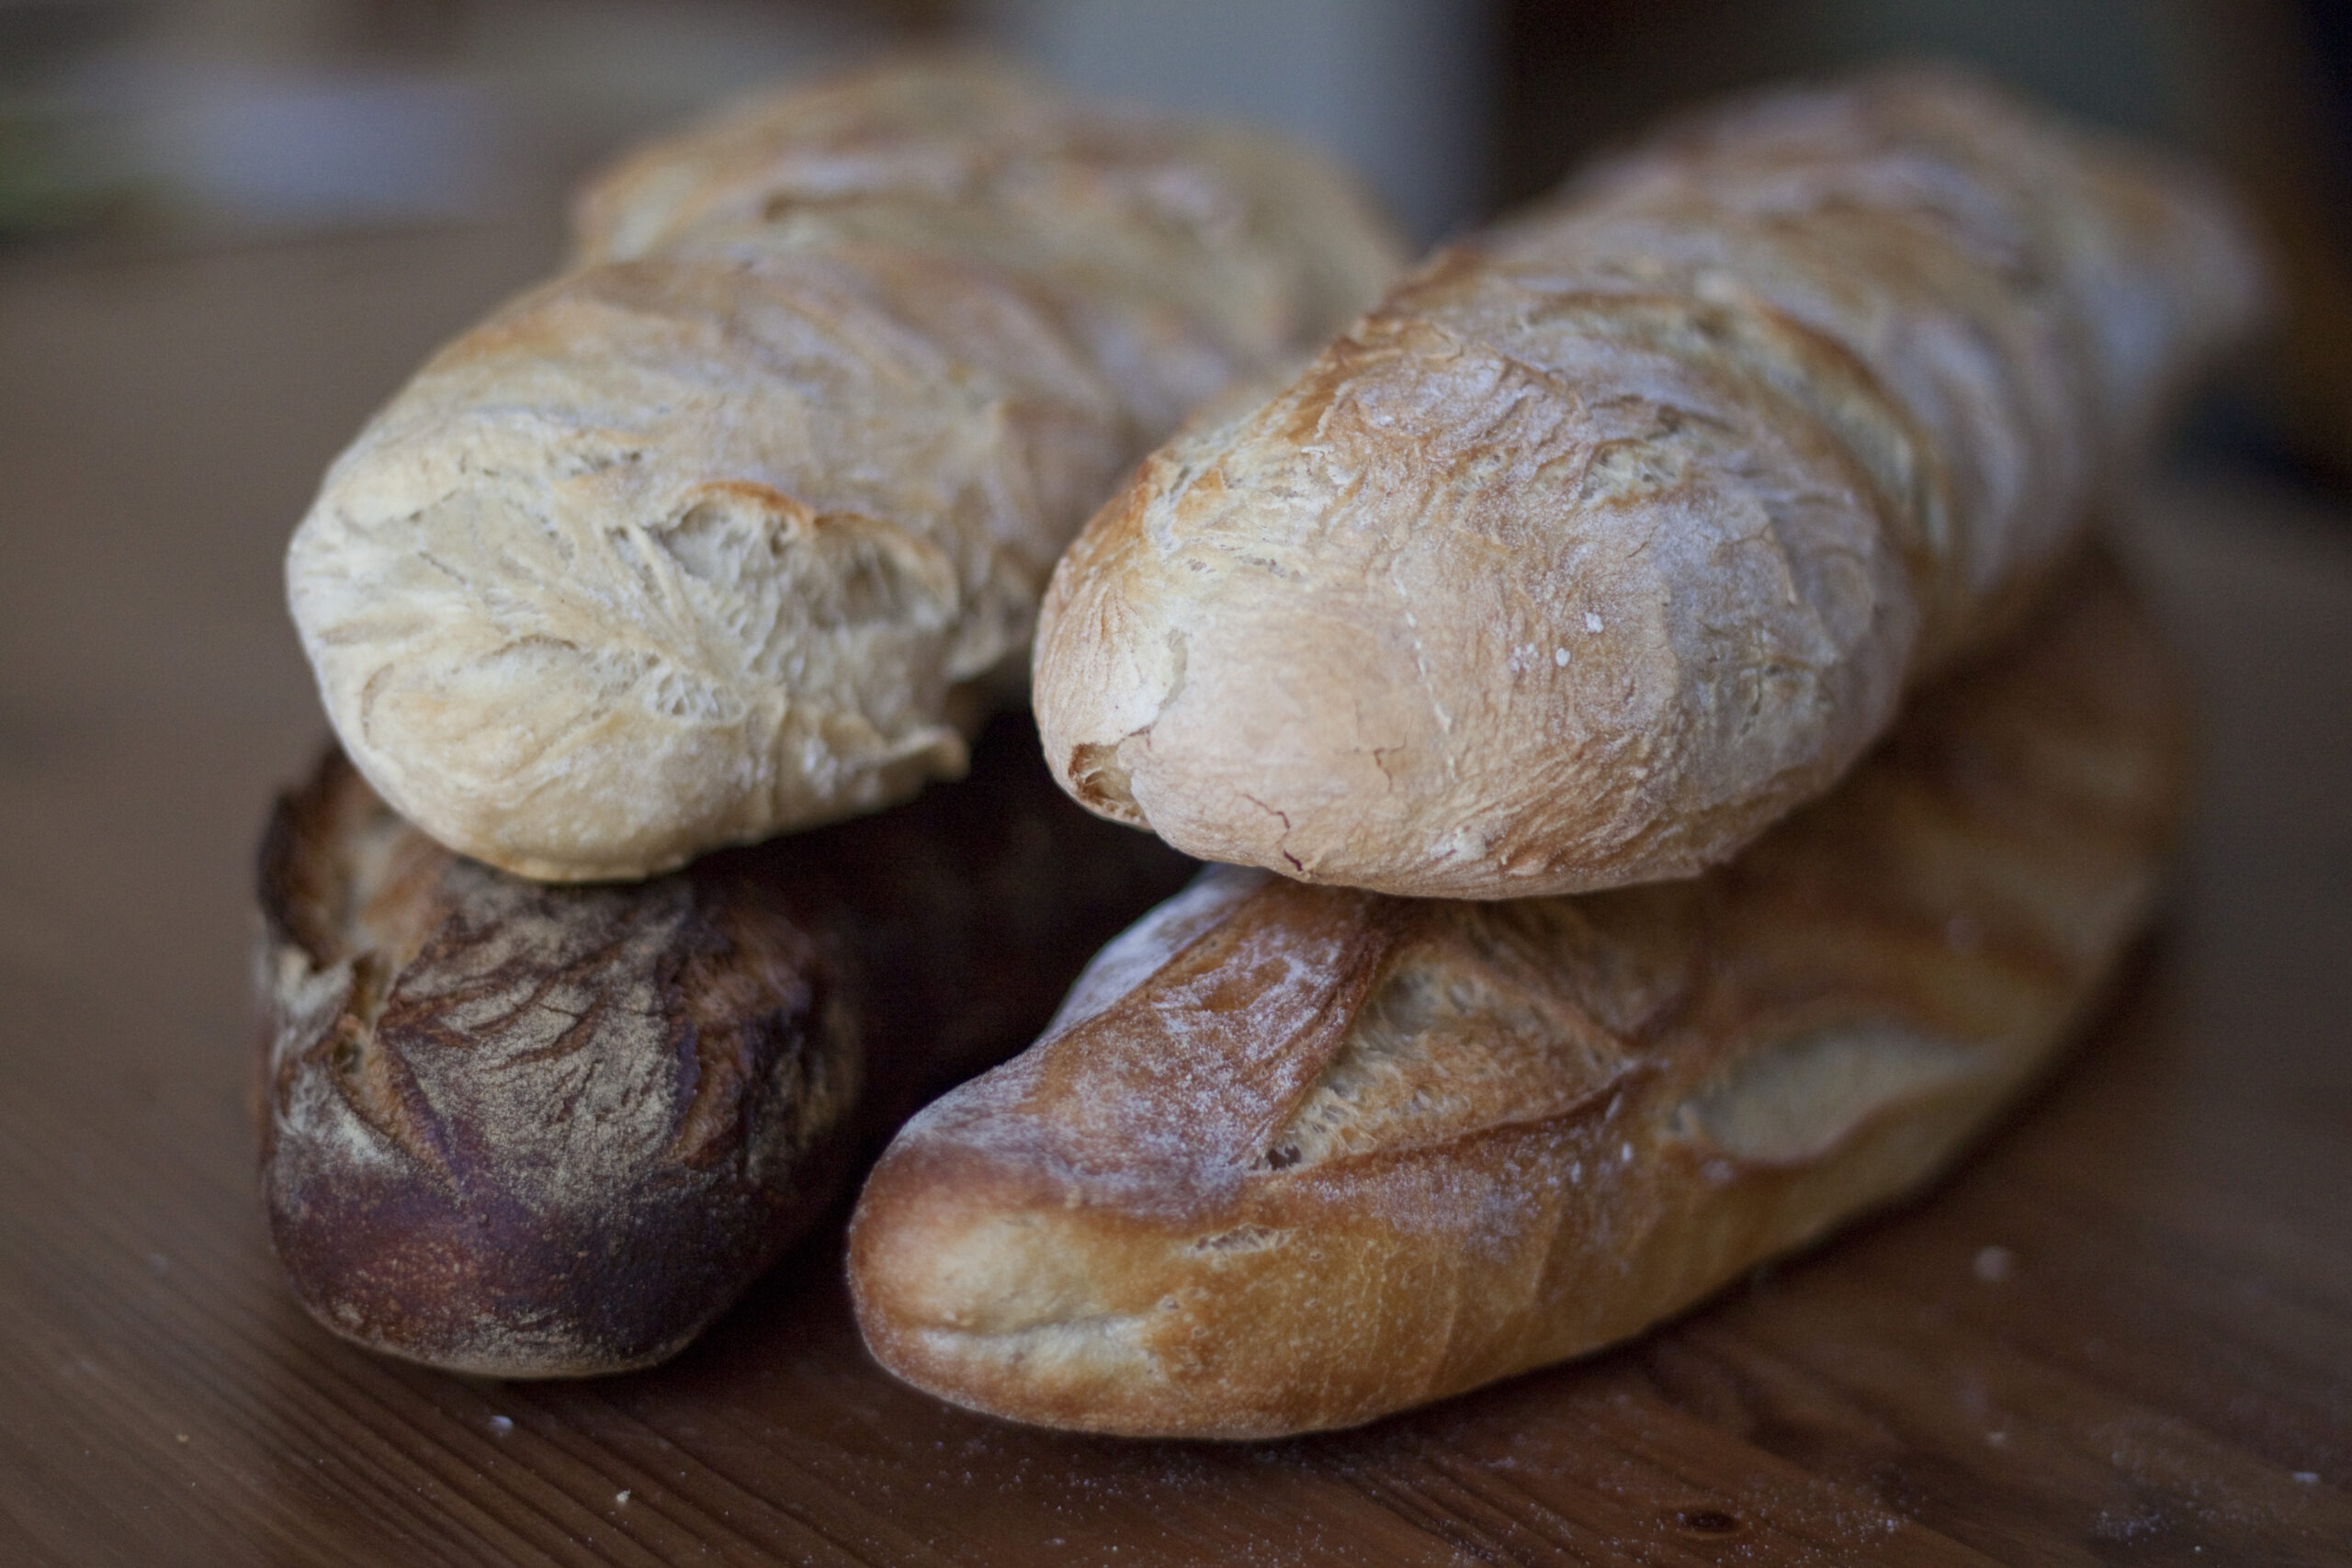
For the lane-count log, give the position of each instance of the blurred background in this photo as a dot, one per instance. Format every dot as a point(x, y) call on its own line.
point(134, 125)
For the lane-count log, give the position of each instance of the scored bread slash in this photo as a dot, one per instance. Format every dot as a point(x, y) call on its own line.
point(522, 1130)
point(1619, 530)
point(1291, 1157)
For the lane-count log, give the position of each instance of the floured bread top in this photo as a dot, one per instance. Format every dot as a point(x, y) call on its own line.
point(1614, 534)
point(736, 528)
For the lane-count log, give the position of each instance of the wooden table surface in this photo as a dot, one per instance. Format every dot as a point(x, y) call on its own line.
point(2155, 1366)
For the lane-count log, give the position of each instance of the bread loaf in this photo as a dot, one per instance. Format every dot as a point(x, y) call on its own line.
point(1615, 533)
point(531, 1130)
point(734, 527)
point(1294, 1156)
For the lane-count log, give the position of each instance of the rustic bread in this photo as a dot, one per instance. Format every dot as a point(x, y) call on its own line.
point(734, 527)
point(1617, 532)
point(1294, 1156)
point(533, 1130)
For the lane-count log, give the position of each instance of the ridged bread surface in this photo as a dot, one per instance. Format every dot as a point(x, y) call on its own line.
point(1615, 533)
point(739, 525)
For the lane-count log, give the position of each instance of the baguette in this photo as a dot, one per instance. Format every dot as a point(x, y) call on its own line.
point(1292, 1158)
point(1616, 533)
point(528, 1130)
point(734, 527)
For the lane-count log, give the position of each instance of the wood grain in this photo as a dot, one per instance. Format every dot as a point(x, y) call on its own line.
point(2122, 1334)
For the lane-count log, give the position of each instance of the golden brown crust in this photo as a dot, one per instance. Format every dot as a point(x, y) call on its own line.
point(1613, 535)
point(530, 1130)
point(734, 527)
point(1177, 252)
point(1294, 1156)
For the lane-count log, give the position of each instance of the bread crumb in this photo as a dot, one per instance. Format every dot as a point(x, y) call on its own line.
point(621, 1496)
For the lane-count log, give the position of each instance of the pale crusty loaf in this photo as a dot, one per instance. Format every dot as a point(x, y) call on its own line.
point(527, 1130)
point(1618, 531)
point(730, 529)
point(1294, 1156)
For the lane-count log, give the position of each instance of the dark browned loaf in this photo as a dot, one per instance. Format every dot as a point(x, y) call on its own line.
point(533, 1130)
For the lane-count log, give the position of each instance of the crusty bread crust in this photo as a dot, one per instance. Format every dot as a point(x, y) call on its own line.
point(524, 1131)
point(1295, 1156)
point(736, 526)
point(1616, 533)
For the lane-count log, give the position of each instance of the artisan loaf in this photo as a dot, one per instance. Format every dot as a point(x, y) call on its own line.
point(1616, 532)
point(528, 1130)
point(740, 524)
point(1294, 1156)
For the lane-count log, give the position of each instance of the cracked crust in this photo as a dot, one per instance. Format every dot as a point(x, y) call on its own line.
point(1618, 531)
point(1291, 1157)
point(739, 525)
point(528, 1130)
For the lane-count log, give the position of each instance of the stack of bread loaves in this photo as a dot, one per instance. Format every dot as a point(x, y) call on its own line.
point(1585, 577)
point(1680, 766)
point(737, 527)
